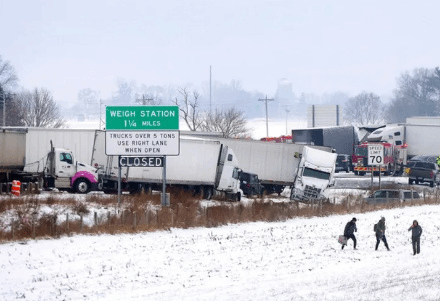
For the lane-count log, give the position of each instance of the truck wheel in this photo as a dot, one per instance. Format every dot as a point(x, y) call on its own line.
point(207, 193)
point(362, 173)
point(238, 197)
point(432, 184)
point(410, 182)
point(82, 186)
point(356, 172)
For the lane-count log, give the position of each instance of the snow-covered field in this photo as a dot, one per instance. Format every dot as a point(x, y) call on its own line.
point(299, 259)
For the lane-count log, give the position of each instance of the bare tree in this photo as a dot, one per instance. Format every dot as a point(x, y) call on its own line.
point(8, 78)
point(230, 122)
point(363, 109)
point(38, 109)
point(189, 108)
point(416, 95)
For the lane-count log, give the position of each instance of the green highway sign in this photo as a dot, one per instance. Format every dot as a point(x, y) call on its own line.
point(142, 118)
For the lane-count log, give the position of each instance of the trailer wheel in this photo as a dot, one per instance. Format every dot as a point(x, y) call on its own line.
point(82, 186)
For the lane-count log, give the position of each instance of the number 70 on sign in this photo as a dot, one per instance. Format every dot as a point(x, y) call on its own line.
point(375, 155)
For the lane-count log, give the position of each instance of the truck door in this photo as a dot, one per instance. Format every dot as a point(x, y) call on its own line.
point(65, 167)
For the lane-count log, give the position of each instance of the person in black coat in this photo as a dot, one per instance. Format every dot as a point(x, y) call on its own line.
point(380, 233)
point(415, 237)
point(349, 230)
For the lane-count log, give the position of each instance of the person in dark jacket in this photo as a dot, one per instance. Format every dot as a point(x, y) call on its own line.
point(416, 233)
point(349, 230)
point(380, 233)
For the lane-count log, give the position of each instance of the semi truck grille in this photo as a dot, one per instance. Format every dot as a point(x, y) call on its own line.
point(311, 192)
point(305, 195)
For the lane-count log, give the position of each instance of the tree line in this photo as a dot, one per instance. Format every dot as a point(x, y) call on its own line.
point(417, 94)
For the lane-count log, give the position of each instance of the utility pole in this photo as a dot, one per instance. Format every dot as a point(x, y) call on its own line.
point(4, 109)
point(144, 100)
point(287, 114)
point(267, 124)
point(100, 116)
point(210, 93)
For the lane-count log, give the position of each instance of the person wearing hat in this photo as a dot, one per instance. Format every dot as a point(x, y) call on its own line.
point(349, 230)
point(415, 237)
point(380, 233)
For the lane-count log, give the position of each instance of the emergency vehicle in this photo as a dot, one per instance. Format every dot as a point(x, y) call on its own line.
point(394, 158)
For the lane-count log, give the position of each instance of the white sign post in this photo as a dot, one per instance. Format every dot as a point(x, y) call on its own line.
point(375, 158)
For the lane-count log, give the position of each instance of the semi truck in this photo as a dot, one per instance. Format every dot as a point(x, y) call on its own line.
point(57, 169)
point(419, 135)
point(341, 138)
point(204, 166)
point(314, 176)
point(276, 164)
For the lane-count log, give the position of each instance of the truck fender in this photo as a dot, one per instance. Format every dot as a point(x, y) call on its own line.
point(83, 174)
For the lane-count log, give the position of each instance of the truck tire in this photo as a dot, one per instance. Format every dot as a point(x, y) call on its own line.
point(432, 184)
point(207, 192)
point(410, 181)
point(362, 173)
point(238, 197)
point(82, 186)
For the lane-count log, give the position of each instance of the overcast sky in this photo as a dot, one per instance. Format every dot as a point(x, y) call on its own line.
point(320, 46)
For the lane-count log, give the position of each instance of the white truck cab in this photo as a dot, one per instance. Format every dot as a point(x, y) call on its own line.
point(62, 171)
point(229, 181)
point(315, 174)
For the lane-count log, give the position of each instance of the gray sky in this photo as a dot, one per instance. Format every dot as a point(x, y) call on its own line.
point(320, 46)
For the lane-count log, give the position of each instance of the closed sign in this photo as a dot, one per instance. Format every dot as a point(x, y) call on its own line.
point(140, 161)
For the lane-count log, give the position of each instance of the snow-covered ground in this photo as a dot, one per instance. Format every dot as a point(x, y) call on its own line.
point(299, 259)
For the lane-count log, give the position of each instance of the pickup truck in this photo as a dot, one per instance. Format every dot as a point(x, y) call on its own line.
point(422, 171)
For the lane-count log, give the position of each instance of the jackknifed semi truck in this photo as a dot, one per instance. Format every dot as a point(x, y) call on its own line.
point(276, 164)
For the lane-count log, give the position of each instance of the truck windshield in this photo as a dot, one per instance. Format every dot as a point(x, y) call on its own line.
point(361, 151)
point(313, 173)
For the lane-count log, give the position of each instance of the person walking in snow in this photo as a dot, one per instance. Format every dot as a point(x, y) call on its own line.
point(415, 237)
point(380, 233)
point(349, 230)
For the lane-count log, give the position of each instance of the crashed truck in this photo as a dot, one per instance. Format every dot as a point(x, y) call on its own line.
point(281, 165)
point(315, 174)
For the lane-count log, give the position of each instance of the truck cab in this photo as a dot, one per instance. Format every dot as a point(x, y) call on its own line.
point(63, 172)
point(229, 174)
point(315, 174)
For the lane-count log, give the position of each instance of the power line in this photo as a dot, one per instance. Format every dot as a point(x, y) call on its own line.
point(267, 124)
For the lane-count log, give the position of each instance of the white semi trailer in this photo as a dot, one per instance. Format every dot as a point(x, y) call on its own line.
point(203, 166)
point(276, 164)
